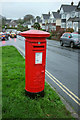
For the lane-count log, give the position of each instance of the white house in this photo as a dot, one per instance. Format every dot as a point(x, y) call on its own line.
point(65, 11)
point(55, 21)
point(74, 20)
point(45, 21)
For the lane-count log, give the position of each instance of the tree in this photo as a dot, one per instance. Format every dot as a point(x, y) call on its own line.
point(3, 20)
point(20, 21)
point(28, 17)
point(38, 17)
point(36, 25)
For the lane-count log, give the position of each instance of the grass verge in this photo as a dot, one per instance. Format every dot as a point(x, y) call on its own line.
point(15, 103)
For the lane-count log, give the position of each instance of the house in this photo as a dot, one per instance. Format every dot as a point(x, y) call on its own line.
point(27, 24)
point(45, 21)
point(8, 21)
point(65, 12)
point(74, 20)
point(32, 21)
point(13, 24)
point(55, 21)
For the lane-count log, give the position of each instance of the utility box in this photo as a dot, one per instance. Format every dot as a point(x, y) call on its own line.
point(35, 60)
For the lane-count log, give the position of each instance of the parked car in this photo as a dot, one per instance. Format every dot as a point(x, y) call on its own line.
point(71, 39)
point(7, 33)
point(0, 36)
point(18, 32)
point(13, 35)
point(3, 36)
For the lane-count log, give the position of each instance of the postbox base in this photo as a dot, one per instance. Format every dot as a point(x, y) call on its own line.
point(34, 95)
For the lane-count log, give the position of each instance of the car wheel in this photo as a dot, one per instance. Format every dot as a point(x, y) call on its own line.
point(71, 44)
point(61, 43)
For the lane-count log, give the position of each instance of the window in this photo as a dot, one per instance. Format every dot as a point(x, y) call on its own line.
point(63, 16)
point(63, 25)
point(69, 35)
point(76, 14)
point(79, 14)
point(65, 35)
point(69, 25)
point(72, 14)
point(54, 21)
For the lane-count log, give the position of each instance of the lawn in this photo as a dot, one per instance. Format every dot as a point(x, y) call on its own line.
point(15, 103)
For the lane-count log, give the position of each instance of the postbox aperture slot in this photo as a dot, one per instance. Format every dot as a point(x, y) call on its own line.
point(38, 46)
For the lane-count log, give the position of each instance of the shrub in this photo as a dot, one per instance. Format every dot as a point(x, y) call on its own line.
point(69, 30)
point(79, 30)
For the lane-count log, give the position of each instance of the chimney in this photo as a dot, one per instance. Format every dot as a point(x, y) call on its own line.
point(49, 13)
point(72, 3)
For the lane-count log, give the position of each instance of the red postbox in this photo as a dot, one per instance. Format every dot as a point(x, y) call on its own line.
point(35, 59)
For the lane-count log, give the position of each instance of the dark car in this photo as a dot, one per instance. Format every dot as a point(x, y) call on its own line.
point(13, 35)
point(71, 39)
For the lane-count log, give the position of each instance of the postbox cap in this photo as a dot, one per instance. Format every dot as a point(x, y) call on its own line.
point(34, 33)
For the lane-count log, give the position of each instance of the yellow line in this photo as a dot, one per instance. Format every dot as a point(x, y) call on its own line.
point(64, 90)
point(63, 86)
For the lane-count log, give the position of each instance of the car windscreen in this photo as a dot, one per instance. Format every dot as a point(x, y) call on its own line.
point(12, 33)
point(75, 35)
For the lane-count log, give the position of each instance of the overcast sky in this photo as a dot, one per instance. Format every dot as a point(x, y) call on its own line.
point(15, 9)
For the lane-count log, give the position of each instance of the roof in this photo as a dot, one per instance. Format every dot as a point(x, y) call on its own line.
point(78, 7)
point(26, 23)
point(8, 21)
point(12, 23)
point(75, 19)
point(46, 16)
point(68, 8)
point(77, 10)
point(33, 20)
point(38, 19)
point(56, 15)
point(35, 33)
point(78, 4)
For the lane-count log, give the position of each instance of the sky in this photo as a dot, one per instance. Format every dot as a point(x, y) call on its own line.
point(15, 9)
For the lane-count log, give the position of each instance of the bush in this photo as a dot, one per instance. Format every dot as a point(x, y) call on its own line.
point(55, 35)
point(79, 30)
point(69, 30)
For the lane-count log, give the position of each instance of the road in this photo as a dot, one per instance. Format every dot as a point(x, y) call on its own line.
point(62, 71)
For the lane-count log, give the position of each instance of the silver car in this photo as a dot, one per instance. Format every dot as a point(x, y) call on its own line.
point(71, 39)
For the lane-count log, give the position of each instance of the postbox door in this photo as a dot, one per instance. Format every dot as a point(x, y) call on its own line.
point(39, 70)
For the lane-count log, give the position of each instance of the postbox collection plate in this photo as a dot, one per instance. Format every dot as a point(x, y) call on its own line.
point(38, 58)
